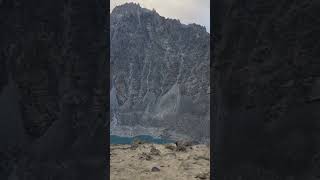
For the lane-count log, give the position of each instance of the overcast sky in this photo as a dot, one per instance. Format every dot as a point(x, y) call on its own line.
point(187, 11)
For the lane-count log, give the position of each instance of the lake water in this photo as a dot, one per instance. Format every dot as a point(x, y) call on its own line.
point(128, 140)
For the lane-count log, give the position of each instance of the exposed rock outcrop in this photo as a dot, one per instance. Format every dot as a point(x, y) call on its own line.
point(160, 70)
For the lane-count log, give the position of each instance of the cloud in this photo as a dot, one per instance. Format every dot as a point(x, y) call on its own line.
point(187, 11)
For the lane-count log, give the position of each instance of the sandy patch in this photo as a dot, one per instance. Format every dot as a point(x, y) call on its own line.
point(166, 164)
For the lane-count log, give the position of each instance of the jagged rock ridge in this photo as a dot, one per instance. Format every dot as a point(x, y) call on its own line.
point(160, 70)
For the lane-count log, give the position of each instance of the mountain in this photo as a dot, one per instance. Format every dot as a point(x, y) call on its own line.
point(160, 73)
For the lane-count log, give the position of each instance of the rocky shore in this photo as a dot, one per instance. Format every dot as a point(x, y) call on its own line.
point(131, 131)
point(159, 162)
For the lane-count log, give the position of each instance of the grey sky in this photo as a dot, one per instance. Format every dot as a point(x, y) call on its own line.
point(187, 11)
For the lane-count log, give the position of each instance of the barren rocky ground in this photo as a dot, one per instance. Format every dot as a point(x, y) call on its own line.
point(159, 162)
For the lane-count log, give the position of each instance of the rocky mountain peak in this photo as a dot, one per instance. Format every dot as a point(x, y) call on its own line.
point(134, 12)
point(129, 9)
point(160, 70)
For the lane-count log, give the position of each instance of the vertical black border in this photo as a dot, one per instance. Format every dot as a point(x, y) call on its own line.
point(108, 85)
point(61, 156)
point(212, 122)
point(285, 30)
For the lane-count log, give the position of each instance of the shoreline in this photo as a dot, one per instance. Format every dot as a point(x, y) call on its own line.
point(160, 133)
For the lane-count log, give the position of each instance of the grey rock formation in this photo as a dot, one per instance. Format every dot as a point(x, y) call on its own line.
point(160, 70)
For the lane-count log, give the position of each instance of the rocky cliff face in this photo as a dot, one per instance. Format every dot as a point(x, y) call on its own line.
point(266, 89)
point(160, 70)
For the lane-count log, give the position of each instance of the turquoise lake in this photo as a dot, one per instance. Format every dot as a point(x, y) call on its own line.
point(128, 140)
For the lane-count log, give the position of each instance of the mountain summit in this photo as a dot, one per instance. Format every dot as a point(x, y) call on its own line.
point(160, 70)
